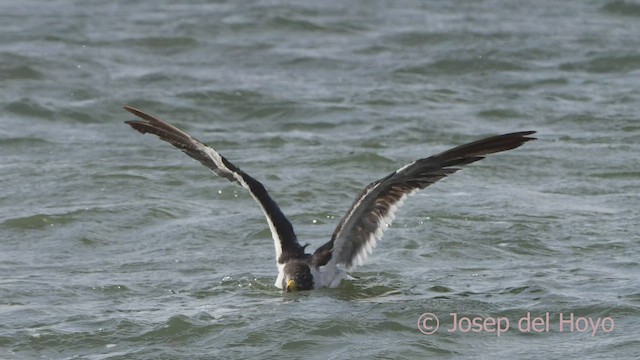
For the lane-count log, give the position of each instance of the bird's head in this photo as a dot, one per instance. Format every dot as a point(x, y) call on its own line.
point(297, 277)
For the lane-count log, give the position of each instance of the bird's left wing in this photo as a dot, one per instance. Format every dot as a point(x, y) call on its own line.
point(374, 208)
point(284, 238)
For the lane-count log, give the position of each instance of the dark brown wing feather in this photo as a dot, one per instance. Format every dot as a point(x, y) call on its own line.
point(373, 209)
point(285, 240)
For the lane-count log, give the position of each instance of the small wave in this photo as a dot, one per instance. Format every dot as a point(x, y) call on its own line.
point(619, 7)
point(39, 221)
point(461, 66)
point(29, 108)
point(605, 64)
point(19, 72)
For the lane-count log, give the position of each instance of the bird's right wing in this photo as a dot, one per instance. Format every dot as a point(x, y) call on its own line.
point(374, 208)
point(284, 238)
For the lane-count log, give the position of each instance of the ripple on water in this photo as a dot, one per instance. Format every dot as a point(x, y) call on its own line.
point(19, 72)
point(30, 108)
point(457, 66)
point(621, 7)
point(38, 221)
point(605, 64)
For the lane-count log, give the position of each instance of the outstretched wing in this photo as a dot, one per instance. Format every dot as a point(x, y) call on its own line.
point(373, 210)
point(284, 238)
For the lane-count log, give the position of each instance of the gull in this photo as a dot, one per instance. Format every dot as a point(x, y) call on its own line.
point(359, 230)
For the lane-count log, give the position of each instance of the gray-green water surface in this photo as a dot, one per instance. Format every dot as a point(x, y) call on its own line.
point(117, 246)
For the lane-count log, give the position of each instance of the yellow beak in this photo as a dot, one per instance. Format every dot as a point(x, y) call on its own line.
point(291, 285)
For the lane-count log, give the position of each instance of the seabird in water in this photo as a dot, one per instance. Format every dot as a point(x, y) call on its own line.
point(371, 213)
